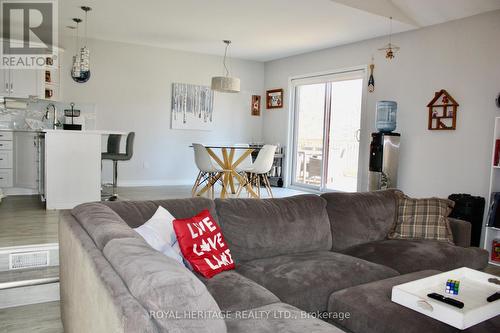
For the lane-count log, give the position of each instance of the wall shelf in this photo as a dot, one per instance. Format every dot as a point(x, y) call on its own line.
point(490, 233)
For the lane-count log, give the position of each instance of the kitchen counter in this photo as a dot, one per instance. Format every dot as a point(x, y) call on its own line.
point(49, 130)
point(21, 130)
point(99, 132)
point(63, 166)
point(73, 166)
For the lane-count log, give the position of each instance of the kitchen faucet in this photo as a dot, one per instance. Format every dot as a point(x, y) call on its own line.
point(51, 107)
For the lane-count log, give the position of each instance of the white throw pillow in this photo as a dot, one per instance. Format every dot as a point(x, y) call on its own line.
point(159, 233)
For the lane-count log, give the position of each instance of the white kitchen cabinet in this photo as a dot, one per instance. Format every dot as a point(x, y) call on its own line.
point(25, 83)
point(26, 160)
point(21, 83)
point(6, 160)
point(6, 179)
point(4, 82)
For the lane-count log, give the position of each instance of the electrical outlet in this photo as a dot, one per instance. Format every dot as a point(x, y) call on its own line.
point(145, 165)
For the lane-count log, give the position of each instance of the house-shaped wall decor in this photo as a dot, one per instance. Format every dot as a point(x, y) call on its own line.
point(442, 111)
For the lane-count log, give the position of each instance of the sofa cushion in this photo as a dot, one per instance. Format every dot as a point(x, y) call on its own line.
point(373, 311)
point(203, 245)
point(277, 318)
point(159, 233)
point(163, 286)
point(306, 280)
point(234, 292)
point(135, 213)
point(407, 256)
point(102, 224)
point(257, 228)
point(422, 219)
point(357, 218)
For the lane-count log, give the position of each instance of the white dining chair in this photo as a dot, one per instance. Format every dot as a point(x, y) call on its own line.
point(209, 172)
point(259, 170)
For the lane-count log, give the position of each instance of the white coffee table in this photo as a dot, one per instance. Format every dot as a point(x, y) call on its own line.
point(474, 289)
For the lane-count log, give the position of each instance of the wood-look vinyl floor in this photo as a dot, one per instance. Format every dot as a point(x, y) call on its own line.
point(24, 221)
point(34, 318)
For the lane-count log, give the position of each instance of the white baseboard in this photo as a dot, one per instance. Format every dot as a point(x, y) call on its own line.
point(156, 182)
point(19, 191)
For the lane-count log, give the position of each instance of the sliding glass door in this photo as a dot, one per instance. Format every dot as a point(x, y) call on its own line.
point(327, 117)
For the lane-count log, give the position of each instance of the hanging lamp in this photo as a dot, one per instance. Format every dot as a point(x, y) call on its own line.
point(81, 61)
point(75, 68)
point(226, 83)
point(390, 49)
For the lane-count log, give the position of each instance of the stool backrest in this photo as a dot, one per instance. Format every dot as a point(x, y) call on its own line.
point(129, 149)
point(264, 160)
point(114, 146)
point(114, 143)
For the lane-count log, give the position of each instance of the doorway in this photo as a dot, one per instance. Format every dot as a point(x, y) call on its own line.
point(326, 128)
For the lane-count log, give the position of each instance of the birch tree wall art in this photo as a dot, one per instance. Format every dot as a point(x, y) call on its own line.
point(192, 107)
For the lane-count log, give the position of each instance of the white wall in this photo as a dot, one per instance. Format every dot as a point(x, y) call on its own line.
point(462, 57)
point(130, 87)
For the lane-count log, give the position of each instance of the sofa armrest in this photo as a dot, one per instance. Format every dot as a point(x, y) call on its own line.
point(461, 231)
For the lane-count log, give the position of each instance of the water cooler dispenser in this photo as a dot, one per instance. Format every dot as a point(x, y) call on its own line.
point(384, 149)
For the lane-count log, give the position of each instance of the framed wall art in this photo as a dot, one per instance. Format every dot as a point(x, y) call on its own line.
point(274, 99)
point(255, 105)
point(192, 107)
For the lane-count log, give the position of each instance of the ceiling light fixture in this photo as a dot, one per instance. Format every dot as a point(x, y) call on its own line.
point(390, 49)
point(226, 83)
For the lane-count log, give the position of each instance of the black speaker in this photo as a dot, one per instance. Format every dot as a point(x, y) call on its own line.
point(498, 100)
point(470, 209)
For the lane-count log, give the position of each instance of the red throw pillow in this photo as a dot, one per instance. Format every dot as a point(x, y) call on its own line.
point(202, 244)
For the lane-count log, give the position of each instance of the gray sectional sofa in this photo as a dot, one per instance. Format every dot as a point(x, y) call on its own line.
point(291, 255)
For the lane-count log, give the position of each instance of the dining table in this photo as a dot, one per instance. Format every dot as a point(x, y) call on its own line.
point(228, 162)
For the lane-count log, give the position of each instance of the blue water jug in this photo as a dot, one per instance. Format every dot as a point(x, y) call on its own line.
point(386, 116)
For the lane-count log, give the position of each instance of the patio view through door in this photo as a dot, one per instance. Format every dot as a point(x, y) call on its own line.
point(327, 118)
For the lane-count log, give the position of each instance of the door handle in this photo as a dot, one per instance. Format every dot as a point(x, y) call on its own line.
point(357, 135)
point(11, 87)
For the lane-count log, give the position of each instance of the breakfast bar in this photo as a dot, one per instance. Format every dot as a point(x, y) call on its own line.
point(72, 167)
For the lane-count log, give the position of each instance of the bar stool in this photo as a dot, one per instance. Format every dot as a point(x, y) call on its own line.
point(113, 153)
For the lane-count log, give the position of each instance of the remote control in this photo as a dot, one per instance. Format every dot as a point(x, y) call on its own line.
point(447, 300)
point(494, 297)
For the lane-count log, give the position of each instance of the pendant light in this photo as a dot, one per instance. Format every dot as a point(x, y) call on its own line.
point(75, 68)
point(81, 61)
point(226, 83)
point(390, 49)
